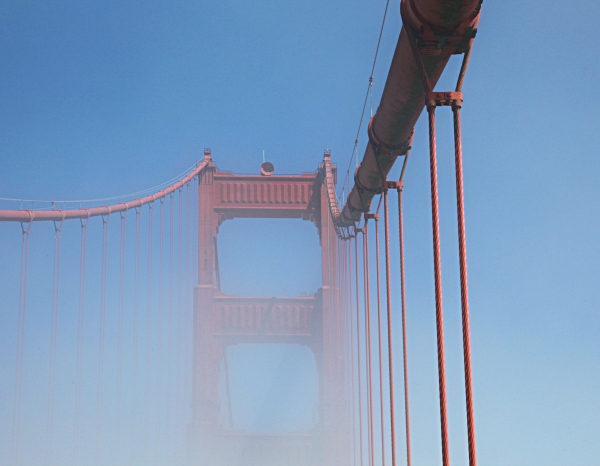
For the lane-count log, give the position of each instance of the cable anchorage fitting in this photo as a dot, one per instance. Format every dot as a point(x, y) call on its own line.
point(444, 99)
point(397, 185)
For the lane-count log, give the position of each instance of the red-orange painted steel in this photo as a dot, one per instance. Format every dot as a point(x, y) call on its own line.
point(404, 332)
point(437, 263)
point(403, 96)
point(464, 287)
point(388, 294)
point(58, 215)
point(380, 340)
point(369, 360)
point(358, 350)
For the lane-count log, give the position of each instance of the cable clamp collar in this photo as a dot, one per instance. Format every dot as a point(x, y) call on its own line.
point(381, 148)
point(363, 189)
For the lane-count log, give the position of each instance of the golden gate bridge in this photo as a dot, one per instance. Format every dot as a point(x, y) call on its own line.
point(175, 338)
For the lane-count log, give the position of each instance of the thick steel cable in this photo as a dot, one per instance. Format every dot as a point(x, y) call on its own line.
point(121, 319)
point(149, 324)
point(80, 332)
point(464, 286)
point(16, 421)
point(388, 289)
point(136, 303)
point(367, 297)
point(53, 340)
point(380, 340)
point(437, 263)
point(404, 331)
point(360, 424)
point(99, 406)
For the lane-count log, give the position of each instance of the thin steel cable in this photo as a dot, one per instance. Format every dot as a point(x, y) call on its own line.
point(149, 325)
point(404, 329)
point(187, 369)
point(227, 388)
point(80, 332)
point(136, 303)
point(121, 318)
point(180, 305)
point(380, 340)
point(388, 289)
point(360, 424)
point(99, 406)
point(362, 115)
point(353, 379)
point(439, 313)
point(170, 310)
point(368, 362)
point(53, 340)
point(104, 199)
point(161, 279)
point(16, 421)
point(464, 282)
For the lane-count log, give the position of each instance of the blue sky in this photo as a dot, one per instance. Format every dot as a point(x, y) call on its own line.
point(102, 99)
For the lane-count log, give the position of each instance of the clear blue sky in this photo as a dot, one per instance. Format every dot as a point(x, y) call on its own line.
point(102, 99)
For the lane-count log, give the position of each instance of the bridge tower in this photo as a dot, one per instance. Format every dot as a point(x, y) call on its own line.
point(220, 320)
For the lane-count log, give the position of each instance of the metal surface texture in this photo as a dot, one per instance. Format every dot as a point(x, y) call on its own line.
point(404, 94)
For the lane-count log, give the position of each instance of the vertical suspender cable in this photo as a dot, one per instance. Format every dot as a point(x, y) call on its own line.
point(360, 424)
point(227, 387)
point(105, 219)
point(121, 311)
point(388, 289)
point(367, 297)
point(380, 340)
point(170, 311)
point(161, 276)
point(464, 287)
point(149, 324)
point(188, 294)
point(53, 339)
point(20, 339)
point(352, 377)
point(136, 292)
point(437, 263)
point(179, 391)
point(404, 332)
point(80, 331)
